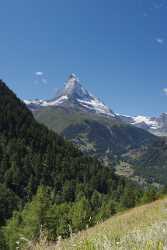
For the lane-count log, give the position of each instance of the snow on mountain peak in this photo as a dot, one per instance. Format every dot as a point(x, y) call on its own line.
point(73, 77)
point(72, 81)
point(73, 93)
point(77, 93)
point(73, 88)
point(151, 122)
point(141, 121)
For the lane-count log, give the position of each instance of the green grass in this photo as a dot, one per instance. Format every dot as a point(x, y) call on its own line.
point(141, 228)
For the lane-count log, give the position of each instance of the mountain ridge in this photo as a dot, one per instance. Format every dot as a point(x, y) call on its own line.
point(155, 125)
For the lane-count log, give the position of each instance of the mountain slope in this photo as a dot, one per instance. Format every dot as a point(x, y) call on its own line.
point(152, 162)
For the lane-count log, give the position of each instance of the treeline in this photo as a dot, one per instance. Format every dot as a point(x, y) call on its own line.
point(46, 181)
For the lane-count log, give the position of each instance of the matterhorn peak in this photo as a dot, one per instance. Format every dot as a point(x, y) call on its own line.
point(73, 88)
point(73, 76)
point(72, 81)
point(73, 94)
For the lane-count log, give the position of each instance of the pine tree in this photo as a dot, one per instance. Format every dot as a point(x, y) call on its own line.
point(80, 214)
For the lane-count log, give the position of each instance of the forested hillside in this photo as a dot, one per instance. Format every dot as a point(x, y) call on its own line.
point(152, 162)
point(49, 182)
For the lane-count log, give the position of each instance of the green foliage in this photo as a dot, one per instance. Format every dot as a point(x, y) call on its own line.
point(2, 241)
point(34, 213)
point(8, 202)
point(12, 231)
point(96, 200)
point(27, 224)
point(58, 221)
point(80, 214)
point(150, 195)
point(108, 209)
point(128, 199)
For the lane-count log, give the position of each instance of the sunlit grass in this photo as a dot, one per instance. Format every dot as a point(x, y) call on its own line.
point(141, 228)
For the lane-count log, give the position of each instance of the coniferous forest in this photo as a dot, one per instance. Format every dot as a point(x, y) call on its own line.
point(47, 184)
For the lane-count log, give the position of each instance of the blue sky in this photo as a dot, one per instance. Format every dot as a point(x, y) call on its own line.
point(117, 48)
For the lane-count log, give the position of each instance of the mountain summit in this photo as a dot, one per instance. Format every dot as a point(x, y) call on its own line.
point(73, 95)
point(73, 89)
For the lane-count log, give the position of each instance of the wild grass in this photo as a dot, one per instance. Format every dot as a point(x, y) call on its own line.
point(141, 228)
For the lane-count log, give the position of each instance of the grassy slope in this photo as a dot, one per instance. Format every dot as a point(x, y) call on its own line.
point(141, 228)
point(59, 118)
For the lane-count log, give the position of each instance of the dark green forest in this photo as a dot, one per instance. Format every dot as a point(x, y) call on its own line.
point(46, 183)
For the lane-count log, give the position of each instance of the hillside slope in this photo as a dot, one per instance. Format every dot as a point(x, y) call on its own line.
point(141, 228)
point(151, 163)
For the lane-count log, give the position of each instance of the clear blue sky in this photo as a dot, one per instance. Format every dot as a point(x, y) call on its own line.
point(117, 48)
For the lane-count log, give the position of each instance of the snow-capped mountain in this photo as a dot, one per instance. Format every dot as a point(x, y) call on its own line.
point(155, 125)
point(73, 94)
